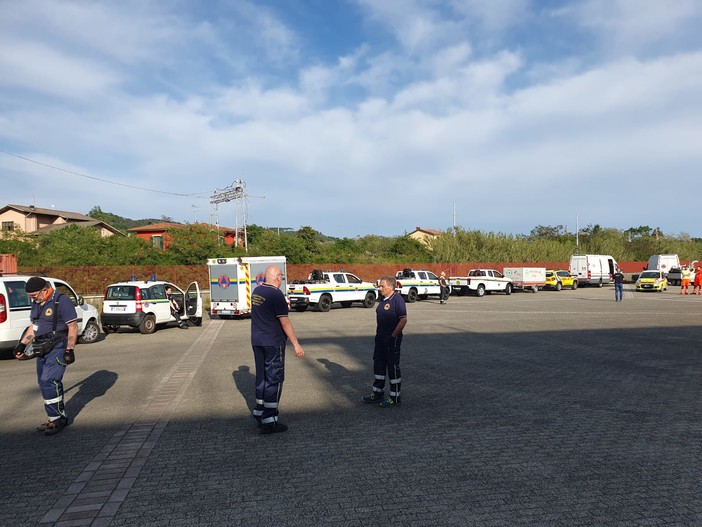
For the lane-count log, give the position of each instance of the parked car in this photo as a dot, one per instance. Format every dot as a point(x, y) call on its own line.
point(558, 279)
point(15, 307)
point(144, 305)
point(652, 280)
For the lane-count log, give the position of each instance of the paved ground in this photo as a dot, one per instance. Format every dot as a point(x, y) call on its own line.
point(536, 409)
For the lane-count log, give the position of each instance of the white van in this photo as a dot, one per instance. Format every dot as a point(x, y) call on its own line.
point(594, 269)
point(664, 262)
point(15, 306)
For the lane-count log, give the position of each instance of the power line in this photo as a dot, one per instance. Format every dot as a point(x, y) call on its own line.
point(100, 179)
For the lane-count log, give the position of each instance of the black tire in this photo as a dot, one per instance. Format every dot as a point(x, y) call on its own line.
point(369, 301)
point(301, 307)
point(600, 284)
point(534, 288)
point(346, 303)
point(508, 289)
point(91, 332)
point(412, 296)
point(148, 325)
point(559, 286)
point(575, 284)
point(324, 304)
point(480, 291)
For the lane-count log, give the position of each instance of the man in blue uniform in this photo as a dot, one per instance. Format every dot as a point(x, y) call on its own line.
point(270, 329)
point(52, 315)
point(391, 315)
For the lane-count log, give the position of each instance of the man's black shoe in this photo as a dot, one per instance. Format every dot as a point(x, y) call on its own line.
point(183, 325)
point(275, 428)
point(54, 427)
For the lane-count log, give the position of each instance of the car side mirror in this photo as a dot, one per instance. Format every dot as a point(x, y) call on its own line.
point(80, 300)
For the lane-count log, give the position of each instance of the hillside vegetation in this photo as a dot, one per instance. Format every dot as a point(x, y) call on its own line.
point(193, 244)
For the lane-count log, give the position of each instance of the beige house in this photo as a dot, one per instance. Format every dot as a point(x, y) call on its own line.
point(424, 235)
point(34, 220)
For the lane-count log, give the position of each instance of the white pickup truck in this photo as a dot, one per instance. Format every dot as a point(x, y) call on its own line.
point(322, 289)
point(420, 284)
point(481, 281)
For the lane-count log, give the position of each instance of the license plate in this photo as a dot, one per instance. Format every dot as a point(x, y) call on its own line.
point(119, 308)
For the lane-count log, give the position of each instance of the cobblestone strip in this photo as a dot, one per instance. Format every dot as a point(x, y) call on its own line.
point(98, 492)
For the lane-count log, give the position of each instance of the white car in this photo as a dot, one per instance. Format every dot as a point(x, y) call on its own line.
point(144, 305)
point(15, 307)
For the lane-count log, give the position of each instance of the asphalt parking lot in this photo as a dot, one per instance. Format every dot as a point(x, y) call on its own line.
point(555, 408)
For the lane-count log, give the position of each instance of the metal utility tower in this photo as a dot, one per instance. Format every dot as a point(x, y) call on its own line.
point(235, 192)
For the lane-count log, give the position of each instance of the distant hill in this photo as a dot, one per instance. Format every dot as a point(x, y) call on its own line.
point(121, 223)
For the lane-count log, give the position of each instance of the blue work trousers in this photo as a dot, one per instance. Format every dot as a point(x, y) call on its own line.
point(270, 374)
point(386, 361)
point(50, 369)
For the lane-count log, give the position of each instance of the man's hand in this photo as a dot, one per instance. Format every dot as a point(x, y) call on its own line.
point(18, 352)
point(299, 352)
point(69, 357)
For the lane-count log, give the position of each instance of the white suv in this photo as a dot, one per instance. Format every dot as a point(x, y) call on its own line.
point(15, 307)
point(144, 305)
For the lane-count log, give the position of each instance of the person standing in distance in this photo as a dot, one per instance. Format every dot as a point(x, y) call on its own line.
point(49, 305)
point(391, 315)
point(444, 287)
point(270, 329)
point(175, 308)
point(618, 285)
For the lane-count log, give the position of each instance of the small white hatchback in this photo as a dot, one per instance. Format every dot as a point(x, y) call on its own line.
point(15, 306)
point(144, 305)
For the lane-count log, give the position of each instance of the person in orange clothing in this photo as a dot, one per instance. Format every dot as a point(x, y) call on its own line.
point(698, 281)
point(685, 280)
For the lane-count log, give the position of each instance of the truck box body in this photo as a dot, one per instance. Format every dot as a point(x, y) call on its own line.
point(232, 280)
point(664, 262)
point(526, 278)
point(595, 269)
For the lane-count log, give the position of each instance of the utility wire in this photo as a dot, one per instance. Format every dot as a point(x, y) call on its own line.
point(99, 179)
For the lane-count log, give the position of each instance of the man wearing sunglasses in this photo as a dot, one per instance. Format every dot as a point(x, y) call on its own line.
point(53, 316)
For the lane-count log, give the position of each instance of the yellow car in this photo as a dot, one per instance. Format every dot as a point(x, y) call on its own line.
point(652, 280)
point(558, 279)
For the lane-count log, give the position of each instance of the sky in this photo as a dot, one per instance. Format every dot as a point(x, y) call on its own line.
point(357, 117)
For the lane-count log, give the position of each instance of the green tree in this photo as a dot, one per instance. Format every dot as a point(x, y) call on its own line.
point(193, 245)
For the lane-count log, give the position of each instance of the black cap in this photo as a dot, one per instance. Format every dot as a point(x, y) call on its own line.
point(35, 284)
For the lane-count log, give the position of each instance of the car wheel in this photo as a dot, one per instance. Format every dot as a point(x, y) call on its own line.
point(575, 284)
point(324, 303)
point(480, 291)
point(559, 286)
point(508, 289)
point(91, 332)
point(412, 296)
point(148, 325)
point(369, 301)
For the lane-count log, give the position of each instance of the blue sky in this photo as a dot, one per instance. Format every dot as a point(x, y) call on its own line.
point(357, 116)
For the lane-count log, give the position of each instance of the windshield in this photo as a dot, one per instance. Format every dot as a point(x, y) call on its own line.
point(650, 274)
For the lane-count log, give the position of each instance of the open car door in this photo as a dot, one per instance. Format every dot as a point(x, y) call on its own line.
point(193, 304)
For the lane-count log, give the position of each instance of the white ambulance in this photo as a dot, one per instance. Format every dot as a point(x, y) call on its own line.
point(233, 279)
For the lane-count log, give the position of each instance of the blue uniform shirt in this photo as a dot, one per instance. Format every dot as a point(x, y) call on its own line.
point(268, 304)
point(388, 313)
point(43, 314)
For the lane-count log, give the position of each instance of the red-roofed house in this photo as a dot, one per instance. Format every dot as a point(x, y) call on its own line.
point(424, 235)
point(157, 233)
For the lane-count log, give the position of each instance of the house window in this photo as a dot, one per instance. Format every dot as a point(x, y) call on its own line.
point(157, 241)
point(8, 225)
